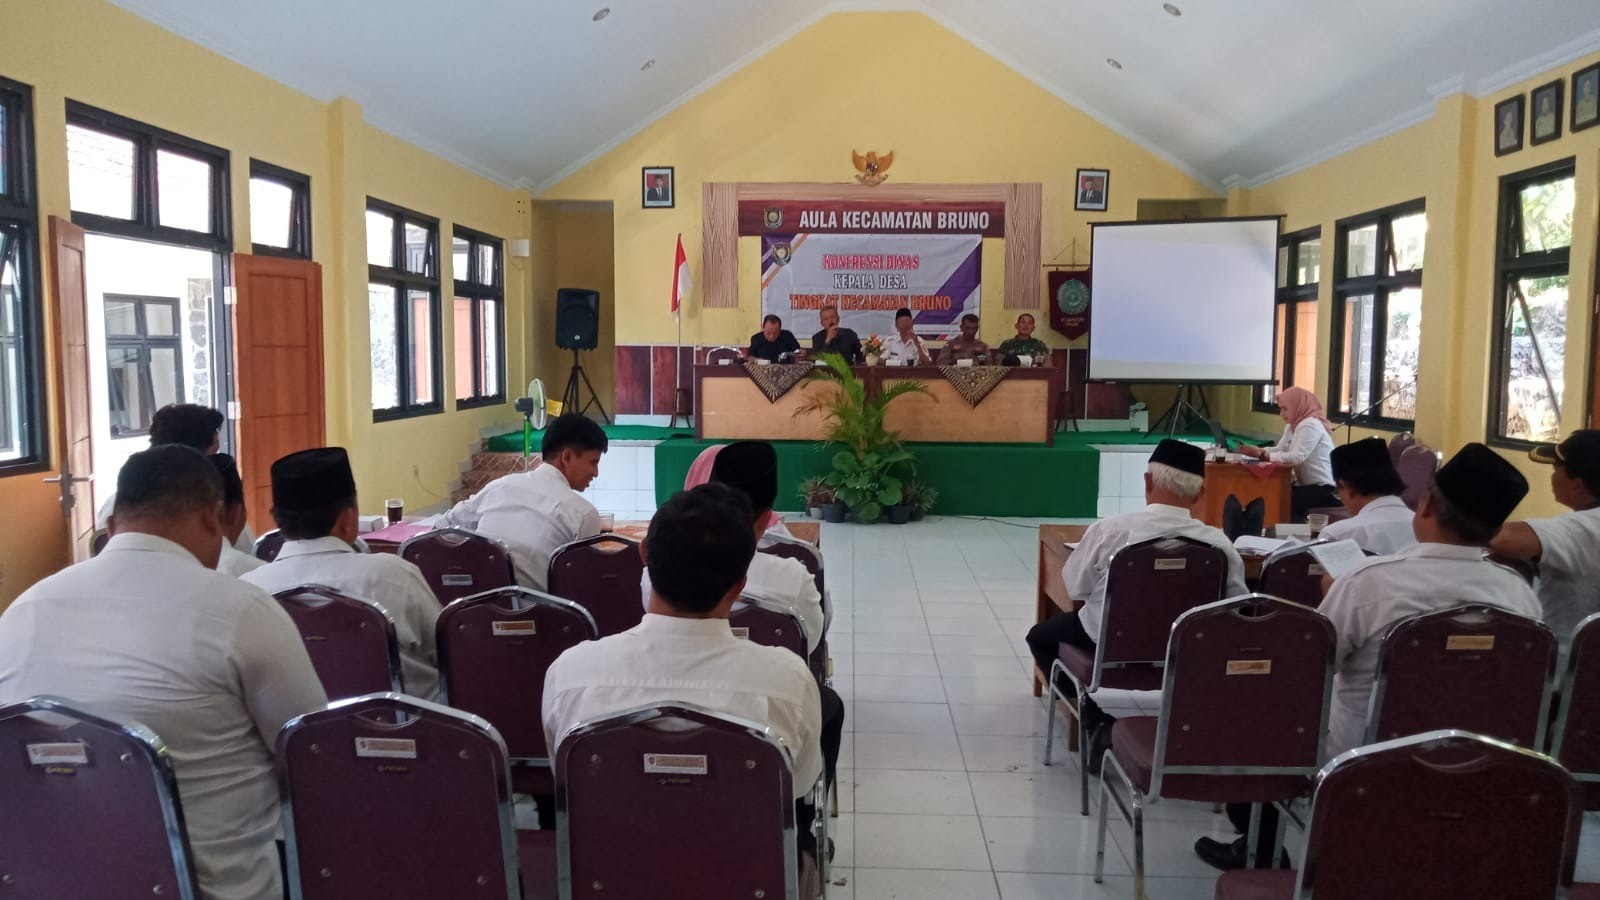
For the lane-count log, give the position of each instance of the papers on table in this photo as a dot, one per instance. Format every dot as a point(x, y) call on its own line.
point(1258, 546)
point(1070, 545)
point(1338, 557)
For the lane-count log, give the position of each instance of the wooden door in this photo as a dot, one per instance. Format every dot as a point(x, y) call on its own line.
point(70, 321)
point(277, 346)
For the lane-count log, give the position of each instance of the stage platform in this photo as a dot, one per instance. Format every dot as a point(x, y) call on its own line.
point(511, 442)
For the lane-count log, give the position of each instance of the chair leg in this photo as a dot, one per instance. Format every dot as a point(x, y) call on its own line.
point(1253, 836)
point(1278, 838)
point(833, 798)
point(1138, 847)
point(1100, 837)
point(1083, 757)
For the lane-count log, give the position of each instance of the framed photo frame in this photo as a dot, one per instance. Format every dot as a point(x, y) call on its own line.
point(1508, 125)
point(1091, 190)
point(1586, 98)
point(1545, 112)
point(658, 187)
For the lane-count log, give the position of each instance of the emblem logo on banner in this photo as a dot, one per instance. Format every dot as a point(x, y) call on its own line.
point(772, 217)
point(1069, 307)
point(781, 253)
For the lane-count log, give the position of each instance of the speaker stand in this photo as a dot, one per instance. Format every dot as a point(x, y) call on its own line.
point(573, 394)
point(1187, 408)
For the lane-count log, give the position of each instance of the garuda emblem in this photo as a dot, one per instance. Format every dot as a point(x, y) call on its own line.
point(872, 168)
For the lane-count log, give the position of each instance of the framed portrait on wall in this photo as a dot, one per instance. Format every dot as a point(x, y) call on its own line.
point(1545, 117)
point(658, 189)
point(1508, 125)
point(1093, 190)
point(1586, 98)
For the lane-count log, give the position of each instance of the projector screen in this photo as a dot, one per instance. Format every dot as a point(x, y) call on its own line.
point(1184, 301)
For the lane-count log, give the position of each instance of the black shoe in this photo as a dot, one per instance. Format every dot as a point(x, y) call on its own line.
point(1099, 743)
point(1224, 855)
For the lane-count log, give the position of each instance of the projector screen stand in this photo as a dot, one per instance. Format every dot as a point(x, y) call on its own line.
point(1188, 408)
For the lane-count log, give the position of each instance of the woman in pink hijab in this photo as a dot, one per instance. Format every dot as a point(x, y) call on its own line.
point(700, 473)
point(1307, 445)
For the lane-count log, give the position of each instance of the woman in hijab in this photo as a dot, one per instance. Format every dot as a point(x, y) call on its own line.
point(700, 473)
point(1307, 445)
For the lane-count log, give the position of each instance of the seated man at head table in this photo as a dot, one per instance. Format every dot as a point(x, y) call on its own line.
point(1173, 483)
point(1369, 487)
point(966, 345)
point(697, 552)
point(904, 348)
point(1472, 495)
point(834, 338)
point(147, 631)
point(534, 513)
point(194, 426)
point(1567, 547)
point(772, 341)
point(1024, 344)
point(314, 503)
point(233, 561)
point(1307, 445)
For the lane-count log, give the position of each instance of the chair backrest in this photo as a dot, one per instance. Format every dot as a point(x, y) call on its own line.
point(1399, 444)
point(1294, 574)
point(601, 574)
point(458, 563)
point(1417, 465)
point(494, 650)
point(1441, 814)
point(268, 545)
point(1471, 668)
point(1577, 735)
point(716, 355)
point(351, 640)
point(1148, 585)
point(803, 552)
point(91, 807)
point(98, 541)
point(371, 782)
point(1247, 691)
point(626, 785)
point(768, 623)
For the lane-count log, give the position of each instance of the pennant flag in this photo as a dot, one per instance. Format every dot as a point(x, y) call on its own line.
point(681, 282)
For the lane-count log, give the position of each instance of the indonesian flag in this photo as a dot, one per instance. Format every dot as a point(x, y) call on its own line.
point(681, 282)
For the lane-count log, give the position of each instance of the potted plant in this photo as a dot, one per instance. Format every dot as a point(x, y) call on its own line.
point(816, 495)
point(871, 464)
point(872, 349)
point(920, 497)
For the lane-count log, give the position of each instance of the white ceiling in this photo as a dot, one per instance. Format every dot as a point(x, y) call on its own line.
point(526, 91)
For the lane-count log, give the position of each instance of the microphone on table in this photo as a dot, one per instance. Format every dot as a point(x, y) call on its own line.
point(1350, 420)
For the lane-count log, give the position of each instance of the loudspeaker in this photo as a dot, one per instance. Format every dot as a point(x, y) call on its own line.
point(577, 319)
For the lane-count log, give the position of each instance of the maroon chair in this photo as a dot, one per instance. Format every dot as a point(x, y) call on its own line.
point(390, 796)
point(1471, 668)
point(1244, 708)
point(768, 623)
point(1399, 444)
point(268, 545)
point(351, 641)
point(458, 563)
point(494, 650)
point(602, 575)
point(1149, 584)
point(1576, 744)
point(1417, 466)
point(716, 355)
point(91, 808)
point(1441, 814)
point(809, 556)
point(627, 785)
point(1293, 574)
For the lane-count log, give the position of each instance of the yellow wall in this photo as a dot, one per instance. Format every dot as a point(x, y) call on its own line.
point(584, 259)
point(1448, 160)
point(864, 81)
point(92, 52)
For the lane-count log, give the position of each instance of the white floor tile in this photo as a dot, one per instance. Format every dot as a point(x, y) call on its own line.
point(932, 752)
point(892, 643)
point(999, 720)
point(987, 667)
point(924, 884)
point(1047, 845)
point(900, 718)
point(890, 625)
point(920, 842)
point(842, 831)
point(913, 793)
point(1003, 753)
point(1033, 795)
point(1017, 886)
point(919, 665)
point(965, 645)
point(985, 627)
point(1011, 691)
point(898, 689)
point(841, 883)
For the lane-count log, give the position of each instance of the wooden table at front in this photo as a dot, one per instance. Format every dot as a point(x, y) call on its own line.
point(1247, 482)
point(1053, 596)
point(1020, 409)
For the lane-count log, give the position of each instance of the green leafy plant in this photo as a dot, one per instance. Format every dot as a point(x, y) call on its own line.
point(920, 495)
point(815, 492)
point(871, 466)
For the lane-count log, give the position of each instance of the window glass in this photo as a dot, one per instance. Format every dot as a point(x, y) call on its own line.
point(100, 172)
point(1536, 337)
point(1401, 344)
point(122, 318)
point(1283, 266)
point(1279, 349)
point(5, 144)
point(165, 375)
point(160, 320)
point(380, 239)
point(417, 248)
point(1355, 393)
point(420, 308)
point(1410, 235)
point(129, 414)
point(13, 423)
point(486, 264)
point(1309, 262)
point(491, 348)
point(271, 212)
point(1361, 251)
point(1305, 344)
point(1546, 212)
point(384, 340)
point(183, 188)
point(460, 258)
point(461, 315)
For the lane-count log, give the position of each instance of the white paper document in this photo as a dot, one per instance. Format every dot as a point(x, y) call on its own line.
point(1338, 557)
point(1259, 546)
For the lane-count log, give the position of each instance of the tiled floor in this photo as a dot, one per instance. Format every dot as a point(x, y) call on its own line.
point(943, 790)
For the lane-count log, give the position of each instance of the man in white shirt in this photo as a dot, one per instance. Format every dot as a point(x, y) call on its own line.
point(1173, 483)
point(1472, 495)
point(698, 549)
point(314, 503)
point(904, 348)
point(1566, 546)
point(232, 561)
point(535, 513)
point(1369, 487)
point(147, 631)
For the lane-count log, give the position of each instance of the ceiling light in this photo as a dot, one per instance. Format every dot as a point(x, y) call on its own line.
point(1112, 62)
point(1171, 9)
point(601, 13)
point(647, 65)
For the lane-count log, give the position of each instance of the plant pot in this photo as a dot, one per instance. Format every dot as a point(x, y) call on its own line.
point(814, 512)
point(874, 360)
point(898, 514)
point(833, 512)
point(917, 513)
